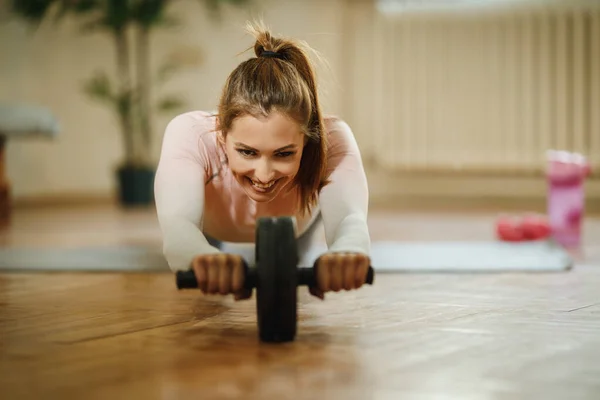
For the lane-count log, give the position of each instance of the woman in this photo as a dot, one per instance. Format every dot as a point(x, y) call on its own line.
point(268, 151)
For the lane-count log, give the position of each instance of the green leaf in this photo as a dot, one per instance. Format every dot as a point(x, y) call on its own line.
point(92, 25)
point(124, 103)
point(170, 103)
point(99, 88)
point(84, 6)
point(149, 13)
point(116, 14)
point(78, 7)
point(34, 10)
point(169, 21)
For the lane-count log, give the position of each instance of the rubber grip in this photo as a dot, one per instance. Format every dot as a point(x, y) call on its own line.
point(306, 276)
point(186, 279)
point(370, 276)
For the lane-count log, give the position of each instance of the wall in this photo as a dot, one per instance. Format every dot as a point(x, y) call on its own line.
point(47, 67)
point(390, 132)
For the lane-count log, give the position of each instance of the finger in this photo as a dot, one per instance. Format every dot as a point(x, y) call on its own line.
point(363, 263)
point(237, 279)
point(200, 272)
point(225, 273)
point(213, 275)
point(335, 272)
point(349, 272)
point(242, 294)
point(316, 292)
point(323, 272)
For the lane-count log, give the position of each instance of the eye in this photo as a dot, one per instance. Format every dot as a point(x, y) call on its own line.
point(246, 153)
point(284, 154)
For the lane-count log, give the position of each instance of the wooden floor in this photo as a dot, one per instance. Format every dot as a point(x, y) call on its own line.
point(410, 336)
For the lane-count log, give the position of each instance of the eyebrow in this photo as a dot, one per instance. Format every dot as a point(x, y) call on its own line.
point(289, 146)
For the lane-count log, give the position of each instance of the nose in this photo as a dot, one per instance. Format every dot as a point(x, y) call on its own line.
point(264, 171)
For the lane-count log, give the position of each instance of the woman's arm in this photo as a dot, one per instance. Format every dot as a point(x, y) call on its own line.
point(179, 193)
point(344, 201)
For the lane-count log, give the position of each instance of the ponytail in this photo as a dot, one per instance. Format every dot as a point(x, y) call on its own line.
point(280, 78)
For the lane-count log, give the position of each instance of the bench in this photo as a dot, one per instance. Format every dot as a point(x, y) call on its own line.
point(19, 121)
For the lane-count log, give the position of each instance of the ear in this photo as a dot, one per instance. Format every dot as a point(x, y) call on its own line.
point(221, 137)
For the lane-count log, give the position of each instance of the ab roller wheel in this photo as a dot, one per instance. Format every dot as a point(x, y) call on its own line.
point(275, 277)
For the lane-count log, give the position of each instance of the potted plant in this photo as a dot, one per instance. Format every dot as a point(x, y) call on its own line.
point(130, 94)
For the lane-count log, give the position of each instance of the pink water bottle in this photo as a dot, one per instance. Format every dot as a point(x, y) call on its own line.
point(566, 173)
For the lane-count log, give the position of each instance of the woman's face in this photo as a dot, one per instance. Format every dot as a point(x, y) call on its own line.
point(264, 154)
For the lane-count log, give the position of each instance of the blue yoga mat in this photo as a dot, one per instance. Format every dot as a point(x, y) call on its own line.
point(387, 257)
point(457, 256)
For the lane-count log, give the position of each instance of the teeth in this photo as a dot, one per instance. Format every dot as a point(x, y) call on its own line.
point(258, 185)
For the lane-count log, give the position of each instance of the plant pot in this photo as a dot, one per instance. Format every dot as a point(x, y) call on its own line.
point(136, 186)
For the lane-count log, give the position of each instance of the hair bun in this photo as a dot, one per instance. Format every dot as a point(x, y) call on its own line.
point(271, 54)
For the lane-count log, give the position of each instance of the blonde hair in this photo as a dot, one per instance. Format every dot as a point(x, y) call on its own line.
point(283, 80)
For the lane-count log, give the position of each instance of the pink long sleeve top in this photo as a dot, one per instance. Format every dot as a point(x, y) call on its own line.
point(196, 193)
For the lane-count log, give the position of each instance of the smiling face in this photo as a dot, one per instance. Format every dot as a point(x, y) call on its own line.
point(264, 153)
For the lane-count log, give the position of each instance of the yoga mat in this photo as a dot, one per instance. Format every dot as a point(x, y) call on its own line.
point(467, 256)
point(96, 258)
point(387, 257)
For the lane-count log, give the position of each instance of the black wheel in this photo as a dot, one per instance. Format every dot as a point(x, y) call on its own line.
point(276, 279)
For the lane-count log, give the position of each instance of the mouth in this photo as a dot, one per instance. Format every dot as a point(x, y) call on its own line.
point(262, 188)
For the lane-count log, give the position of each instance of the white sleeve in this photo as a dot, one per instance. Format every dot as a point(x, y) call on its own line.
point(179, 194)
point(344, 201)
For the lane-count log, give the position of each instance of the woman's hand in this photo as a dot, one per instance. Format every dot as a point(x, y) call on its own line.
point(337, 271)
point(221, 274)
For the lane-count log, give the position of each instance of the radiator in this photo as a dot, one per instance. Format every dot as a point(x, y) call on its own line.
point(487, 92)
